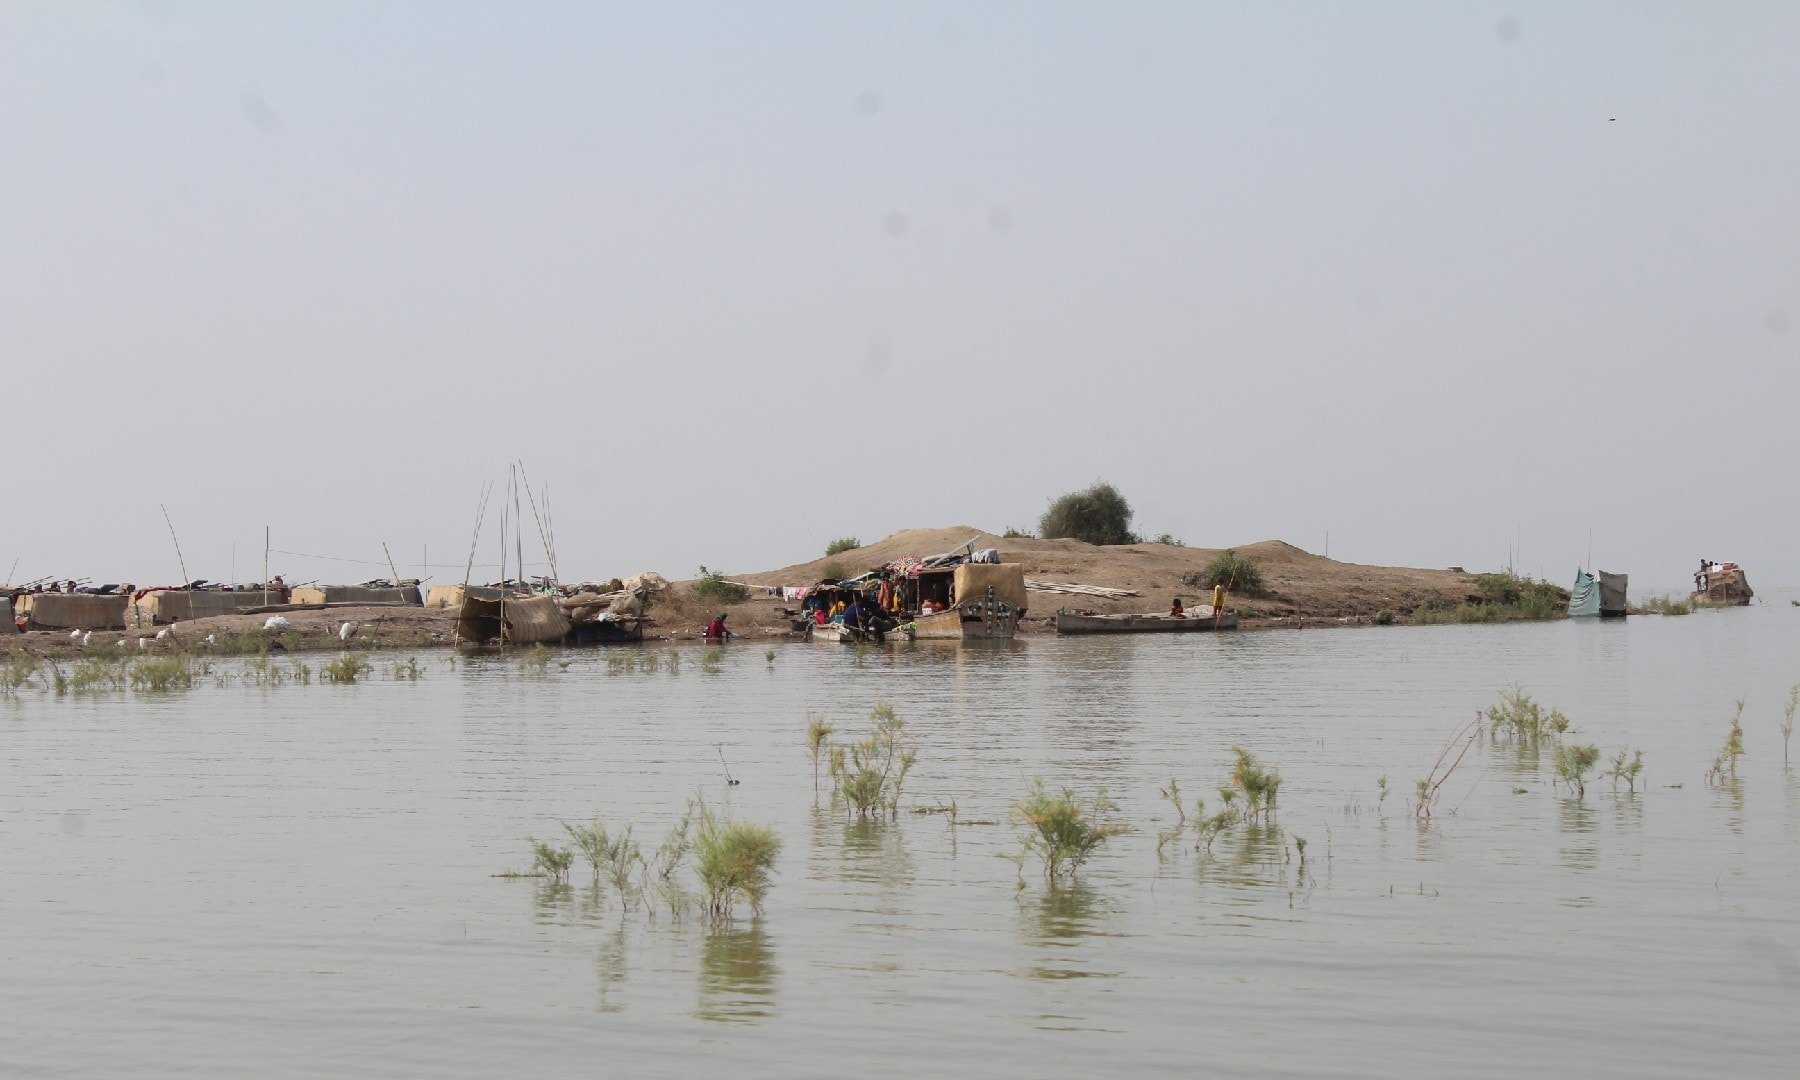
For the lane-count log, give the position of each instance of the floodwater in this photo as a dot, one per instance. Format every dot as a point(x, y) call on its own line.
point(300, 879)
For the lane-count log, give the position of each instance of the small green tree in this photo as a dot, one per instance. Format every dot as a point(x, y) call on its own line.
point(841, 545)
point(1238, 573)
point(711, 585)
point(1097, 515)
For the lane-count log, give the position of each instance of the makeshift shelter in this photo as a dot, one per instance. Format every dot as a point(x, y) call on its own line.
point(77, 611)
point(488, 615)
point(444, 596)
point(6, 612)
point(172, 605)
point(355, 594)
point(1602, 595)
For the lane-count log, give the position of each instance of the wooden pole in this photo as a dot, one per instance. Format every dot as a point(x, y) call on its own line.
point(265, 566)
point(179, 560)
point(391, 568)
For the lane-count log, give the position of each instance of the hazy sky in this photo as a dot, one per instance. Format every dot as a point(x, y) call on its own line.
point(735, 279)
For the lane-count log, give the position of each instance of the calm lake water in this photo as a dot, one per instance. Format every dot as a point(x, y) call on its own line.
point(299, 880)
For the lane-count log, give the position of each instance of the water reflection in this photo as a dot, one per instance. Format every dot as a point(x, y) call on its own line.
point(738, 975)
point(1250, 859)
point(1580, 850)
point(1058, 925)
point(610, 971)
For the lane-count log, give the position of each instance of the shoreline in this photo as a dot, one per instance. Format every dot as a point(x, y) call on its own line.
point(1303, 591)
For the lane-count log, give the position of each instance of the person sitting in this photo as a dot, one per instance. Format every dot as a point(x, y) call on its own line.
point(853, 614)
point(1175, 609)
point(819, 617)
point(929, 607)
point(715, 630)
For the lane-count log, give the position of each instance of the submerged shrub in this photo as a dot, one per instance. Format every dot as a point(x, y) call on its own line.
point(17, 672)
point(615, 854)
point(869, 774)
point(1573, 762)
point(733, 859)
point(1626, 769)
point(160, 674)
point(1257, 785)
point(344, 669)
point(552, 862)
point(1061, 829)
point(1519, 717)
point(1725, 765)
point(1787, 722)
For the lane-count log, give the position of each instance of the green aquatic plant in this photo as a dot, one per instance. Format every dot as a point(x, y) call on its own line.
point(1519, 718)
point(1626, 769)
point(1172, 793)
point(614, 853)
point(1381, 788)
point(18, 671)
point(769, 656)
point(1666, 605)
point(1207, 827)
point(101, 673)
point(710, 660)
point(550, 861)
point(1573, 762)
point(734, 860)
point(818, 733)
point(1725, 764)
point(1787, 722)
point(870, 773)
point(1063, 830)
point(162, 674)
point(658, 871)
point(409, 671)
point(345, 669)
point(1257, 785)
point(536, 659)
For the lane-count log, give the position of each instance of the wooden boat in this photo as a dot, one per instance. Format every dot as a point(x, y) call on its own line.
point(1201, 618)
point(1721, 585)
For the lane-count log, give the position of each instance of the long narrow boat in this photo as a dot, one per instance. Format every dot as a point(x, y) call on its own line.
point(1072, 622)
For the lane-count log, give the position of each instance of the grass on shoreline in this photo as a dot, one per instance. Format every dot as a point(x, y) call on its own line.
point(1503, 598)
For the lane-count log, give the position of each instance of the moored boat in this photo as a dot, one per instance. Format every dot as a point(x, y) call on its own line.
point(1720, 584)
point(1201, 618)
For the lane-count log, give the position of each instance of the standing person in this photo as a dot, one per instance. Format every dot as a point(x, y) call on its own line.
point(716, 631)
